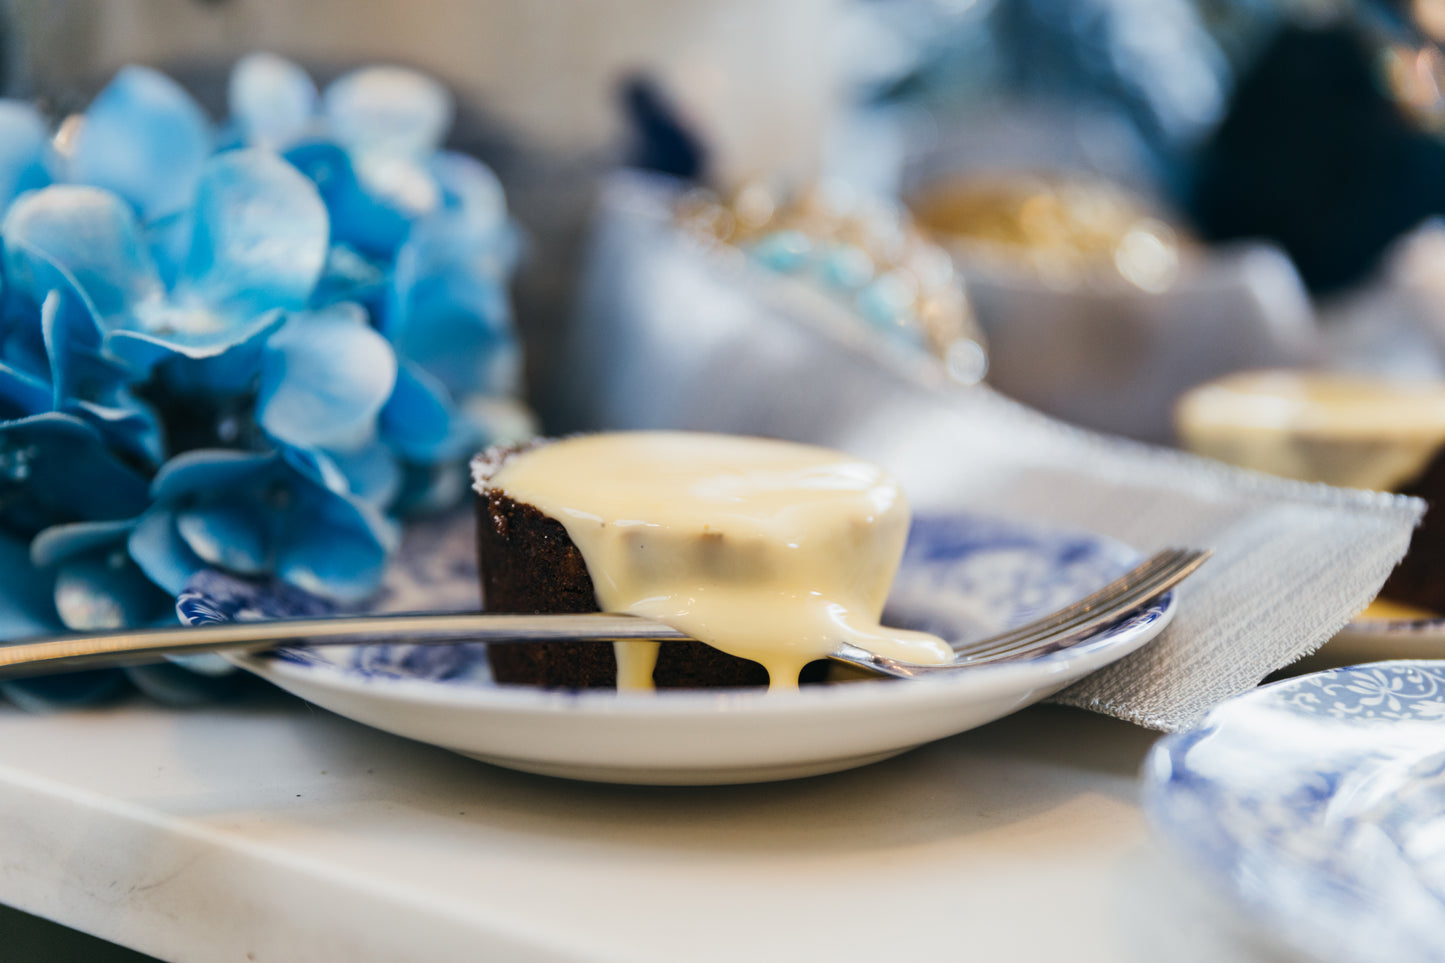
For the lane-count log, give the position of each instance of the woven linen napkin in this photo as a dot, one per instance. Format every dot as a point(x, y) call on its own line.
point(670, 335)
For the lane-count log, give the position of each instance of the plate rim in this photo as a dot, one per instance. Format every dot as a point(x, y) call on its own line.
point(1160, 787)
point(1122, 640)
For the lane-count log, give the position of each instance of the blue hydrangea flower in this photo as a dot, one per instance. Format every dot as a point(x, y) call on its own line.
point(285, 513)
point(258, 241)
point(248, 347)
point(97, 586)
point(370, 148)
point(27, 608)
point(393, 196)
point(81, 578)
point(87, 383)
point(448, 309)
point(38, 485)
point(77, 380)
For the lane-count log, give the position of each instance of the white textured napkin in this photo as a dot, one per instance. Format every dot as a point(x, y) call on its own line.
point(669, 335)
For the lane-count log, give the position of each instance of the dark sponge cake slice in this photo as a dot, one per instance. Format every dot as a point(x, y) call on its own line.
point(1419, 579)
point(529, 565)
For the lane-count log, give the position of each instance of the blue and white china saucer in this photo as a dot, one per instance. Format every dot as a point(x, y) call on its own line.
point(962, 576)
point(1319, 804)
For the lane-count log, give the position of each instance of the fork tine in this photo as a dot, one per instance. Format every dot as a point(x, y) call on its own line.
point(1148, 569)
point(1114, 600)
point(1126, 595)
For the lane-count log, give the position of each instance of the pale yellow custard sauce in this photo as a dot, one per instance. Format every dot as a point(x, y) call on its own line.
point(767, 550)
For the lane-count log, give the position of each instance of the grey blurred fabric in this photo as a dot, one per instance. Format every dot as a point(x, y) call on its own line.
point(1116, 358)
point(669, 334)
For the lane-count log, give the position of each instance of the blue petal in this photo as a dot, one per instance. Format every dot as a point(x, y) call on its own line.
point(72, 345)
point(349, 276)
point(401, 184)
point(54, 468)
point(388, 109)
point(324, 379)
point(104, 589)
point(320, 539)
point(218, 362)
point(260, 239)
point(472, 231)
point(27, 595)
point(22, 344)
point(132, 430)
point(82, 236)
point(419, 423)
point(316, 467)
point(340, 554)
point(23, 142)
point(161, 553)
point(471, 189)
point(169, 240)
point(272, 101)
point(358, 220)
point(61, 542)
point(144, 138)
point(230, 536)
point(211, 469)
point(456, 324)
point(27, 608)
point(22, 394)
point(372, 474)
point(90, 385)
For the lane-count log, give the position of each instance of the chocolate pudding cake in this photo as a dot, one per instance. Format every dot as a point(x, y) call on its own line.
point(768, 552)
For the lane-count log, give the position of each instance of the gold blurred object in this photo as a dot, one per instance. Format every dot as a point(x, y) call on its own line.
point(1415, 77)
point(1386, 609)
point(862, 250)
point(1067, 231)
point(1429, 17)
point(1341, 429)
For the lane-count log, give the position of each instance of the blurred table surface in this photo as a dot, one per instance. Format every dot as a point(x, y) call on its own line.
point(267, 830)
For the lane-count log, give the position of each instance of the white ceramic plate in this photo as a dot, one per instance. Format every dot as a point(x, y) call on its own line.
point(1318, 803)
point(962, 576)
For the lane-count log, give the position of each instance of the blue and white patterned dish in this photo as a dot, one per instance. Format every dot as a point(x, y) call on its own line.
point(962, 576)
point(1318, 803)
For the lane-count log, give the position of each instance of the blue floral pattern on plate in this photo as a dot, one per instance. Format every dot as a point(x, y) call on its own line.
point(962, 576)
point(1319, 804)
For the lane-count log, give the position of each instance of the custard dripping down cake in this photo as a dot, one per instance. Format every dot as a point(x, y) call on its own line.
point(767, 552)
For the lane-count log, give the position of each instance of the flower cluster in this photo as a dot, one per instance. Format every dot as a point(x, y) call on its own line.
point(250, 346)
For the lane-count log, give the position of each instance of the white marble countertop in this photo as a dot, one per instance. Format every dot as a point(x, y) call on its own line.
point(269, 831)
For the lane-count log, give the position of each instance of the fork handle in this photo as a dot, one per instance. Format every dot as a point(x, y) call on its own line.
point(69, 653)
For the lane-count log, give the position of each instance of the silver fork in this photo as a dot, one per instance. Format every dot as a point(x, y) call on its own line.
point(1129, 592)
point(68, 653)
